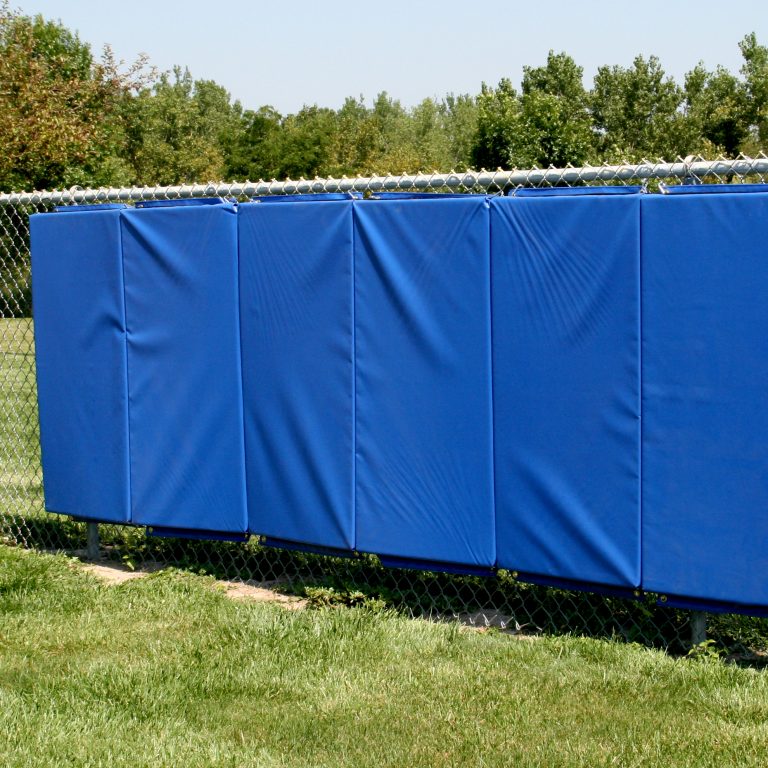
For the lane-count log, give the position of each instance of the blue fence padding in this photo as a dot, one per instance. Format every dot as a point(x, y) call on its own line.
point(77, 292)
point(312, 197)
point(89, 207)
point(712, 189)
point(312, 549)
point(420, 195)
point(450, 382)
point(423, 394)
point(566, 384)
point(710, 606)
point(705, 390)
point(573, 191)
point(438, 567)
point(194, 534)
point(193, 202)
point(298, 379)
point(184, 378)
point(577, 585)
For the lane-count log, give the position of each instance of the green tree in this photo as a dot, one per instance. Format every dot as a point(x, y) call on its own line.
point(460, 118)
point(62, 110)
point(307, 142)
point(548, 124)
point(637, 112)
point(498, 124)
point(395, 151)
point(180, 128)
point(716, 106)
point(355, 139)
point(755, 72)
point(253, 148)
point(555, 124)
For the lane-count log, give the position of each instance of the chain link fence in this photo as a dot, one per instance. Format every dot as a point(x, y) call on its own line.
point(501, 602)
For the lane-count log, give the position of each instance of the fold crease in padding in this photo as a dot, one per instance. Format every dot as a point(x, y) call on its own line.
point(423, 384)
point(566, 368)
point(705, 395)
point(77, 290)
point(297, 346)
point(184, 377)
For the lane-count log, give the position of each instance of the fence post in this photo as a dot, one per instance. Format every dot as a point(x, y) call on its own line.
point(92, 548)
point(698, 627)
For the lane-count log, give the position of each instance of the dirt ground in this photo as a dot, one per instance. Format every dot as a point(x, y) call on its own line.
point(117, 573)
point(263, 592)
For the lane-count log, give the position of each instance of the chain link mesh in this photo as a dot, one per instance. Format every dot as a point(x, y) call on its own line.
point(501, 601)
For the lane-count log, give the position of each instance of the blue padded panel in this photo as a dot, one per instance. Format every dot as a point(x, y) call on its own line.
point(423, 395)
point(79, 312)
point(566, 386)
point(574, 191)
point(186, 419)
point(296, 305)
point(705, 388)
point(312, 197)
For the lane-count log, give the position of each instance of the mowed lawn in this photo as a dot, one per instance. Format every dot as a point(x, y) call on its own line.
point(167, 671)
point(20, 477)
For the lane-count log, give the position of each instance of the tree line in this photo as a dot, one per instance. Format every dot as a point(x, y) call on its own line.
point(70, 118)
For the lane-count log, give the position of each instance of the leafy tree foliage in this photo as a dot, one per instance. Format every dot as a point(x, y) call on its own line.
point(637, 112)
point(252, 150)
point(716, 105)
point(755, 72)
point(498, 123)
point(177, 130)
point(556, 125)
point(61, 110)
point(68, 118)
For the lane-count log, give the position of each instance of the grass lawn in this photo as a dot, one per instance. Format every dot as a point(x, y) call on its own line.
point(21, 495)
point(167, 671)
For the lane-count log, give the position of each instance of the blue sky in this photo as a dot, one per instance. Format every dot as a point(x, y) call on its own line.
point(297, 51)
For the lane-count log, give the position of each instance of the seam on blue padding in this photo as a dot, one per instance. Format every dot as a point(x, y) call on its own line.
point(640, 376)
point(239, 331)
point(127, 374)
point(353, 276)
point(491, 370)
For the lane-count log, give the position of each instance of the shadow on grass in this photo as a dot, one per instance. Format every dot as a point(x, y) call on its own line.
point(500, 601)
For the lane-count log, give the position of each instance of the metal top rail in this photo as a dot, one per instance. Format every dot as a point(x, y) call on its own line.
point(682, 169)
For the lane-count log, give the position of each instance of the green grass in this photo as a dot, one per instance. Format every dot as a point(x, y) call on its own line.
point(20, 476)
point(167, 671)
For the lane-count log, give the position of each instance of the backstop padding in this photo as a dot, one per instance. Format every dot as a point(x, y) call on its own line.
point(566, 383)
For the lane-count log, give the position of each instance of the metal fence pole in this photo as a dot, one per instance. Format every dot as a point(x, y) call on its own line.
point(698, 627)
point(92, 548)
